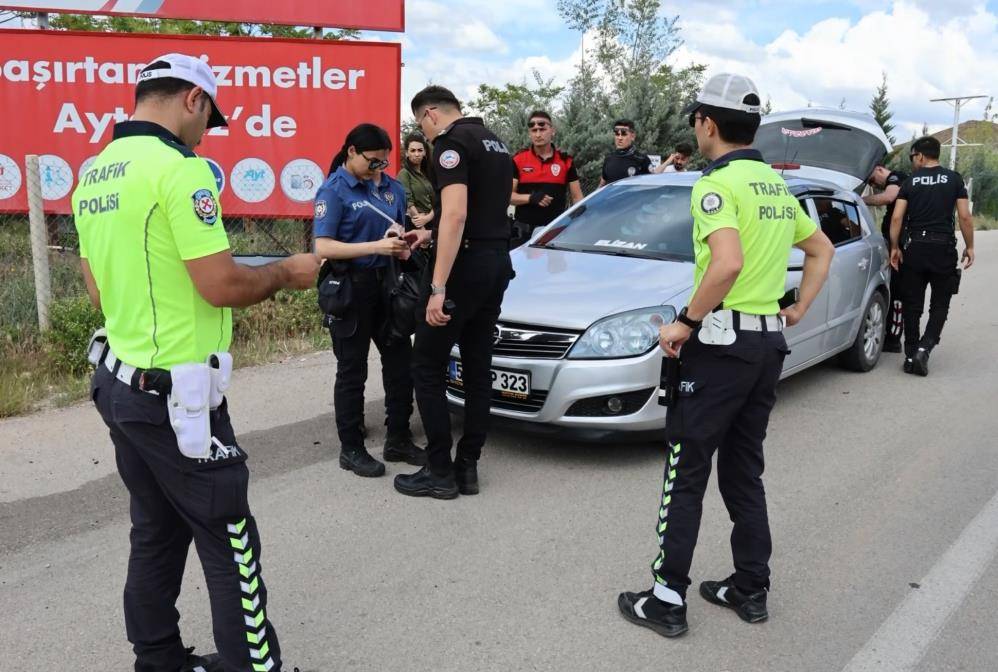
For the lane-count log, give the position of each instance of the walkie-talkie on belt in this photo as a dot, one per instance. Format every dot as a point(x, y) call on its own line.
point(668, 382)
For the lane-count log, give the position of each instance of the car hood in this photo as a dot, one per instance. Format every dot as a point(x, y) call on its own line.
point(571, 290)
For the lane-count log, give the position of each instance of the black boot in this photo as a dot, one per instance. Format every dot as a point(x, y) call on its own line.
point(424, 483)
point(646, 610)
point(750, 607)
point(400, 448)
point(360, 462)
point(466, 476)
point(210, 663)
point(920, 362)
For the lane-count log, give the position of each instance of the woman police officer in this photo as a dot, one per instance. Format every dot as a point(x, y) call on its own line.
point(356, 209)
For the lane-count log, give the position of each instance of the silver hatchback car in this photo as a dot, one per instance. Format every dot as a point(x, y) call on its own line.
point(576, 350)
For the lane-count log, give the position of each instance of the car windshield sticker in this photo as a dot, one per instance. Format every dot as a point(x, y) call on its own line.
point(620, 244)
point(807, 132)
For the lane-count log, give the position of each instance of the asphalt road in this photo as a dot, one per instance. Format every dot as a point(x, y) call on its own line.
point(882, 496)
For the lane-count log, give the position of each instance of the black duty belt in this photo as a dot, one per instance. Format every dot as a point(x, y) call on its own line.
point(480, 244)
point(937, 237)
point(152, 381)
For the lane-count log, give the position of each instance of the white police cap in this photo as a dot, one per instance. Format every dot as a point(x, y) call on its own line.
point(188, 69)
point(731, 92)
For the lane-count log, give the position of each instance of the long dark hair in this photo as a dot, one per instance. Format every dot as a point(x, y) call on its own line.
point(363, 138)
point(423, 166)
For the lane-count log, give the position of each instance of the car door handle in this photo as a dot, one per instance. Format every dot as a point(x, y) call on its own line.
point(864, 264)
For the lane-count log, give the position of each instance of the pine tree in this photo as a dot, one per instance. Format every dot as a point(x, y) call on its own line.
point(768, 107)
point(880, 106)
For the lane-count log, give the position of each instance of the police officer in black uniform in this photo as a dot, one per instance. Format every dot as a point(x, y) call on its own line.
point(625, 160)
point(467, 277)
point(889, 182)
point(925, 206)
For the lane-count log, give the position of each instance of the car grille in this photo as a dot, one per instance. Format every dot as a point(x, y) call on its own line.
point(513, 340)
point(532, 404)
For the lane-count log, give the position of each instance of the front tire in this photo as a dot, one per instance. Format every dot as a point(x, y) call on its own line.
point(865, 351)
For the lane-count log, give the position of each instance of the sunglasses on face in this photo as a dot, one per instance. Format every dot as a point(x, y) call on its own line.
point(911, 157)
point(538, 124)
point(375, 164)
point(620, 132)
point(693, 119)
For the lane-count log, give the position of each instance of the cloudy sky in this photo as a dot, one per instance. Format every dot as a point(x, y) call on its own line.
point(820, 51)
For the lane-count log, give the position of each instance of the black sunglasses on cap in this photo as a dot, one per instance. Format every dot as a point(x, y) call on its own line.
point(538, 124)
point(622, 130)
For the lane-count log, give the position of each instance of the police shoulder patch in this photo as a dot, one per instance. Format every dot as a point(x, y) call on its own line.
point(205, 206)
point(450, 159)
point(320, 209)
point(711, 203)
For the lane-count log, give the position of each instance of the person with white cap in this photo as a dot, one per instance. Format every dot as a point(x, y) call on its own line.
point(157, 263)
point(730, 348)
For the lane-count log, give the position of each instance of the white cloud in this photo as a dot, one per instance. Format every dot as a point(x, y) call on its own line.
point(924, 56)
point(452, 27)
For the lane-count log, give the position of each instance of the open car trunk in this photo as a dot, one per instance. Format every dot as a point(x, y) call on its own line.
point(830, 145)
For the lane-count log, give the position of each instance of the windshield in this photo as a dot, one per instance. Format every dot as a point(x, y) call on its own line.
point(818, 144)
point(638, 220)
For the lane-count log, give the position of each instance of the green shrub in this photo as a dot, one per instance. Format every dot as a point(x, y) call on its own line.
point(72, 322)
point(290, 314)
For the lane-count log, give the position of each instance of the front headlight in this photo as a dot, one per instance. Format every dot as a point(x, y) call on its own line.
point(625, 335)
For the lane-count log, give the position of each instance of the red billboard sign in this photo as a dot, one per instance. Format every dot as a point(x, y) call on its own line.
point(363, 15)
point(289, 104)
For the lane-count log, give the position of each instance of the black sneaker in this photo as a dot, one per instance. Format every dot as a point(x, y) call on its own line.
point(210, 663)
point(892, 345)
point(400, 448)
point(908, 365)
point(751, 608)
point(920, 362)
point(424, 483)
point(646, 610)
point(361, 463)
point(466, 476)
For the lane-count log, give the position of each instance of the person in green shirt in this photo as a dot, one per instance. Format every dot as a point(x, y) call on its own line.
point(157, 264)
point(730, 345)
point(415, 179)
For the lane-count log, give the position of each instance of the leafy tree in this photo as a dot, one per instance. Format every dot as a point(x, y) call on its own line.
point(132, 24)
point(506, 109)
point(880, 107)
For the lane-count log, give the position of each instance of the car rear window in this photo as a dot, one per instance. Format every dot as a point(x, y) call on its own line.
point(640, 220)
point(820, 145)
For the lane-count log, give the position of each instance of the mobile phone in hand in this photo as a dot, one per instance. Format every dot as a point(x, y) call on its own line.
point(449, 307)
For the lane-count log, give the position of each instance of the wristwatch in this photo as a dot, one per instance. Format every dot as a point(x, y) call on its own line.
point(684, 318)
point(434, 290)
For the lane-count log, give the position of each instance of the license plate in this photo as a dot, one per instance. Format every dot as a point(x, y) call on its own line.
point(511, 384)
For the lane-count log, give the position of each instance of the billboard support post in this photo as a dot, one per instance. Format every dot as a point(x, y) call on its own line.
point(39, 240)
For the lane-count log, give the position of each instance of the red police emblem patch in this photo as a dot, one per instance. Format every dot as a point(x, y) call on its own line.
point(555, 169)
point(205, 206)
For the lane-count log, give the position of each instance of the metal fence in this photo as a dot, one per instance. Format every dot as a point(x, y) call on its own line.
point(27, 288)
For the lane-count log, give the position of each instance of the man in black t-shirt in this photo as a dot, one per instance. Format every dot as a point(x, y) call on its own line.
point(889, 182)
point(624, 160)
point(473, 175)
point(925, 206)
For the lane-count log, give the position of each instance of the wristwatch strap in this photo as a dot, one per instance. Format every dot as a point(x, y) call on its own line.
point(684, 318)
point(434, 290)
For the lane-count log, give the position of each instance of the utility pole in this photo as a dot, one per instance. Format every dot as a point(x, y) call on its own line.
point(955, 140)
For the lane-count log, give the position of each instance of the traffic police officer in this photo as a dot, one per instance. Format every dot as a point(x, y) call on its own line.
point(745, 221)
point(889, 181)
point(542, 174)
point(355, 209)
point(624, 160)
point(156, 262)
point(467, 277)
point(925, 206)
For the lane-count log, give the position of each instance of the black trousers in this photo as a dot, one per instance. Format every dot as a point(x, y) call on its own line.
point(476, 285)
point(174, 500)
point(926, 265)
point(725, 398)
point(351, 347)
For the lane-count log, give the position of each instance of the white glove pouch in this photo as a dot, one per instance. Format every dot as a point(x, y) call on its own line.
point(220, 364)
